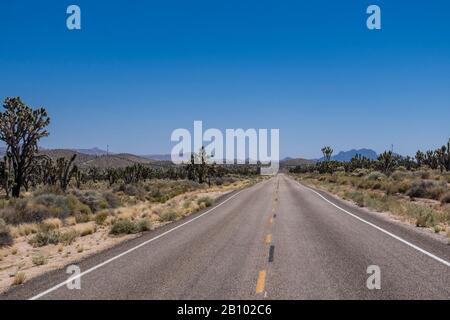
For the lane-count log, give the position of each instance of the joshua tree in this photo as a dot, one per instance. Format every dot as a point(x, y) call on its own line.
point(386, 161)
point(21, 128)
point(94, 174)
point(79, 176)
point(65, 170)
point(202, 165)
point(327, 152)
point(420, 157)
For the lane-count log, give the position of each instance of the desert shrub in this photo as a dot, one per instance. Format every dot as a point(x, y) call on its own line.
point(205, 202)
point(426, 189)
point(21, 211)
point(357, 197)
point(445, 198)
point(48, 189)
point(377, 203)
point(26, 229)
point(130, 190)
point(5, 234)
point(76, 206)
point(87, 230)
point(360, 172)
point(124, 226)
point(39, 260)
point(143, 225)
point(100, 217)
point(93, 199)
point(82, 218)
point(50, 224)
point(423, 174)
point(375, 175)
point(425, 216)
point(187, 204)
point(228, 180)
point(19, 278)
point(169, 215)
point(58, 203)
point(112, 200)
point(399, 175)
point(425, 220)
point(69, 236)
point(44, 238)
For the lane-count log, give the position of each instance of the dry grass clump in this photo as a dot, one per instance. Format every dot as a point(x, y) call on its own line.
point(169, 215)
point(39, 260)
point(205, 202)
point(101, 217)
point(86, 230)
point(24, 229)
point(19, 278)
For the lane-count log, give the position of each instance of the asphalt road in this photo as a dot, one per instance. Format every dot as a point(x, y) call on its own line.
point(274, 240)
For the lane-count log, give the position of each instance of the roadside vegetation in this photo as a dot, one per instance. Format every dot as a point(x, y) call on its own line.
point(415, 190)
point(53, 212)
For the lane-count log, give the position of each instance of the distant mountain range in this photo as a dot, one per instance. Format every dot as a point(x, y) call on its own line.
point(348, 155)
point(97, 157)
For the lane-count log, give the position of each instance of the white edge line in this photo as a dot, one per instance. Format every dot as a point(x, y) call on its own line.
point(380, 229)
point(40, 295)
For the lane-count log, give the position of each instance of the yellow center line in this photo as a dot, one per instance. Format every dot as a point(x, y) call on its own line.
point(268, 238)
point(261, 281)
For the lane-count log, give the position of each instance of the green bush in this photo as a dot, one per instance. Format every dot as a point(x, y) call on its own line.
point(69, 237)
point(101, 217)
point(5, 235)
point(123, 227)
point(426, 189)
point(82, 218)
point(143, 225)
point(39, 260)
point(112, 200)
point(375, 175)
point(93, 199)
point(45, 238)
point(205, 202)
point(22, 211)
point(425, 220)
point(169, 215)
point(357, 197)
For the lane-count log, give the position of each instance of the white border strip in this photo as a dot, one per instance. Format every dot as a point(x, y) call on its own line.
point(380, 229)
point(40, 295)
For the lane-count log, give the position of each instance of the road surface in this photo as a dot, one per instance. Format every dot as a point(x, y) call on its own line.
point(275, 240)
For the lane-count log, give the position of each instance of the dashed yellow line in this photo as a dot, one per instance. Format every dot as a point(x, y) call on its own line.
point(260, 284)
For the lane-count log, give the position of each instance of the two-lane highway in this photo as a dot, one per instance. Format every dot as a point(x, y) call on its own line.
point(275, 240)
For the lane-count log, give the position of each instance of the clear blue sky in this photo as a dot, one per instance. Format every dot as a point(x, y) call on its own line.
point(139, 69)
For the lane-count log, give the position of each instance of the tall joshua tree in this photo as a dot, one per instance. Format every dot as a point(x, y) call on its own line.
point(65, 170)
point(327, 152)
point(386, 161)
point(21, 128)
